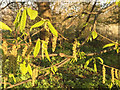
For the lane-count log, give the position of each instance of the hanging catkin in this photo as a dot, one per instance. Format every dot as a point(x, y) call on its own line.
point(74, 50)
point(112, 74)
point(24, 50)
point(104, 71)
point(4, 47)
point(116, 73)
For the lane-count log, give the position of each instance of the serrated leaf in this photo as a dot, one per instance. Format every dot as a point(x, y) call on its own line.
point(32, 13)
point(100, 59)
point(29, 69)
point(109, 45)
point(23, 20)
point(94, 34)
point(4, 26)
point(38, 24)
point(37, 48)
point(52, 29)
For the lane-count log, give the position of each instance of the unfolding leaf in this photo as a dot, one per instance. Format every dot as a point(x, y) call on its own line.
point(109, 45)
point(47, 55)
point(37, 48)
point(32, 13)
point(23, 20)
point(52, 29)
point(17, 19)
point(95, 67)
point(55, 68)
point(38, 24)
point(52, 70)
point(87, 63)
point(94, 34)
point(4, 26)
point(23, 68)
point(29, 69)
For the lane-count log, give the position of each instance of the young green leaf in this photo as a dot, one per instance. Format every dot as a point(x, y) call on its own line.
point(94, 34)
point(29, 69)
point(4, 26)
point(52, 29)
point(38, 24)
point(87, 63)
point(95, 67)
point(12, 76)
point(32, 13)
point(47, 55)
point(23, 68)
point(37, 48)
point(52, 70)
point(17, 19)
point(23, 21)
point(55, 68)
point(109, 45)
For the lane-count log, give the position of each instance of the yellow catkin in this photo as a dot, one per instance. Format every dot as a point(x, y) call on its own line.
point(14, 51)
point(119, 74)
point(24, 50)
point(74, 50)
point(104, 71)
point(112, 74)
point(116, 73)
point(4, 47)
point(54, 40)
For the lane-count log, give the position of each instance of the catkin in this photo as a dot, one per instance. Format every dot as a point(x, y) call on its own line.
point(116, 73)
point(104, 71)
point(74, 50)
point(4, 47)
point(54, 40)
point(24, 50)
point(14, 51)
point(112, 74)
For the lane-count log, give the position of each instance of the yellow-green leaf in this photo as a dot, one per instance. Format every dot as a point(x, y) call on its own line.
point(38, 24)
point(52, 70)
point(12, 76)
point(23, 68)
point(29, 69)
point(18, 16)
point(55, 68)
point(47, 55)
point(4, 26)
point(23, 20)
point(87, 63)
point(109, 45)
point(43, 44)
point(32, 13)
point(37, 48)
point(52, 29)
point(95, 67)
point(94, 34)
